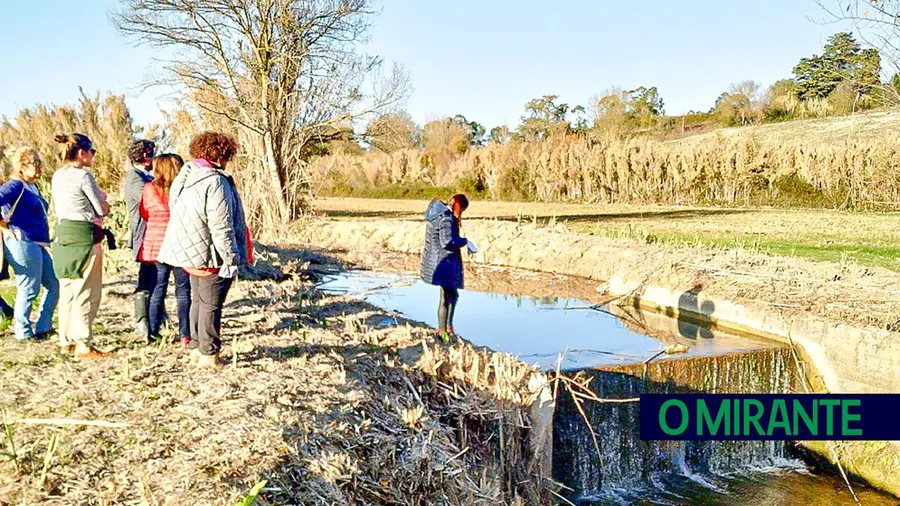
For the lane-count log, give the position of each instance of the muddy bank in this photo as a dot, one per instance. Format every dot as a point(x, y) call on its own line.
point(843, 316)
point(868, 297)
point(318, 400)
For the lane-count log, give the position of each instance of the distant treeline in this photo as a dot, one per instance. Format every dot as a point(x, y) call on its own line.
point(614, 149)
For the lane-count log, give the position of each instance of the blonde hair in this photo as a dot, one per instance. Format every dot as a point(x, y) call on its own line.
point(20, 157)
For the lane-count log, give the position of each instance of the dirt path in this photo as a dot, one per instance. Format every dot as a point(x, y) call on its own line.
point(319, 402)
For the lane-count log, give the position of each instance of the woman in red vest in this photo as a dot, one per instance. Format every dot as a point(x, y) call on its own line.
point(154, 210)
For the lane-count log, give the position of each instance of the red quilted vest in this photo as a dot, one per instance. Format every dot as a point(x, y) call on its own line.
point(155, 211)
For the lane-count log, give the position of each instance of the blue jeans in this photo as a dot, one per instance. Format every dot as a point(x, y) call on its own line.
point(159, 287)
point(34, 269)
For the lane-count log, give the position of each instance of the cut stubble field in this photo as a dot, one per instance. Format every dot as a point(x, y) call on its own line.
point(870, 239)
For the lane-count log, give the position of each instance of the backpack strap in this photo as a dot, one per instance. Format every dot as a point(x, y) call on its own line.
point(12, 210)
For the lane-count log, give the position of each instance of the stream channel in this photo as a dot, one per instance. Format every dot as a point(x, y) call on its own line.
point(538, 317)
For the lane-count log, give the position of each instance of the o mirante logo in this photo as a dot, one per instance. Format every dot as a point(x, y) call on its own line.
point(769, 417)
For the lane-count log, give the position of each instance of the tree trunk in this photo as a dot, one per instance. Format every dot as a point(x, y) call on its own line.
point(271, 163)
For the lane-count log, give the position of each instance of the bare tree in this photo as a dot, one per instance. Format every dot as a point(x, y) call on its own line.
point(286, 74)
point(749, 107)
point(392, 132)
point(444, 140)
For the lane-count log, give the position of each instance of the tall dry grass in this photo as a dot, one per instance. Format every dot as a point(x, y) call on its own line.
point(108, 123)
point(732, 170)
point(105, 120)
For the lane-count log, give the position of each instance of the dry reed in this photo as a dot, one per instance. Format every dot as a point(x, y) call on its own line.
point(732, 170)
point(325, 413)
point(106, 121)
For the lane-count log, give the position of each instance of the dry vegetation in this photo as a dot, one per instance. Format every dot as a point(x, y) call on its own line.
point(866, 238)
point(106, 121)
point(839, 172)
point(321, 401)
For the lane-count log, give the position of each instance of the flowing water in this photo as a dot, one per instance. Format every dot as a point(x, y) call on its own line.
point(611, 345)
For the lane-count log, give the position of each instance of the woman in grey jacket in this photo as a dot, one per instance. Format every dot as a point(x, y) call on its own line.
point(207, 236)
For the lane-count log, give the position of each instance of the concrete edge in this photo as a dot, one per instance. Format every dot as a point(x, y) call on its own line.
point(815, 340)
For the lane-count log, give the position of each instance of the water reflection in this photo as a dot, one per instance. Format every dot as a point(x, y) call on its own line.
point(539, 329)
point(696, 327)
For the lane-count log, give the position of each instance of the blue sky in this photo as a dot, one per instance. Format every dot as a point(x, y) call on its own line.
point(480, 59)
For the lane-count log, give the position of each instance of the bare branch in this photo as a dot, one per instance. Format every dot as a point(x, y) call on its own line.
point(283, 73)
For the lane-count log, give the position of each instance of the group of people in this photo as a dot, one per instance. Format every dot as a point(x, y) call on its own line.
point(185, 219)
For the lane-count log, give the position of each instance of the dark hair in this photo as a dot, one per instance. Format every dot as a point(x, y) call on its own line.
point(141, 151)
point(165, 168)
point(214, 147)
point(74, 143)
point(462, 199)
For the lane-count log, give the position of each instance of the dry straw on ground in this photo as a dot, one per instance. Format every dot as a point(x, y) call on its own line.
point(326, 407)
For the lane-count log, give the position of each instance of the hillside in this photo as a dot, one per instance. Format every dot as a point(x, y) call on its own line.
point(862, 125)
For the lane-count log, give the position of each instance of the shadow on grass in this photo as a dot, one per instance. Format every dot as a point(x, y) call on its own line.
point(373, 214)
point(676, 214)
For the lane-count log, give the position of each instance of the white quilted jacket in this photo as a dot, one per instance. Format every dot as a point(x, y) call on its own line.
point(206, 226)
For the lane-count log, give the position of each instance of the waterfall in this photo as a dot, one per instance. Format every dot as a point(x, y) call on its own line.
point(626, 462)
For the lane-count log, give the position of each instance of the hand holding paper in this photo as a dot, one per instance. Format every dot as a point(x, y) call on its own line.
point(471, 247)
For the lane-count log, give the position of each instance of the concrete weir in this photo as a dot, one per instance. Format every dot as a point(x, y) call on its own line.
point(621, 460)
point(834, 355)
point(844, 359)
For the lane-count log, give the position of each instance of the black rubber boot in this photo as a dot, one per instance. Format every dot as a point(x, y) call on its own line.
point(6, 311)
point(142, 316)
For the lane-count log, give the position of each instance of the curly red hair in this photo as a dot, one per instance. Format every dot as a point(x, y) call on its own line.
point(215, 147)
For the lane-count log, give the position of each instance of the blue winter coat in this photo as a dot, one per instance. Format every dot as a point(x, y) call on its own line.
point(28, 221)
point(441, 258)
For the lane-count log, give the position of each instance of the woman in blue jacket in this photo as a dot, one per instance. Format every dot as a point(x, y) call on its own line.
point(442, 258)
point(26, 241)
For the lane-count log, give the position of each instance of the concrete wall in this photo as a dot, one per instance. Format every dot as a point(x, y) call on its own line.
point(845, 359)
point(846, 356)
